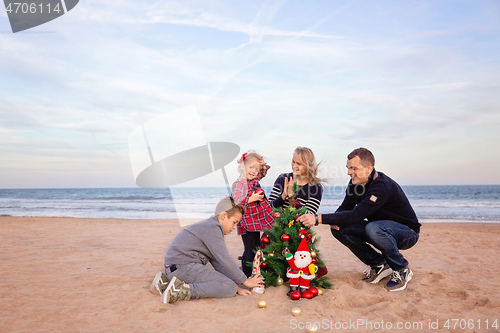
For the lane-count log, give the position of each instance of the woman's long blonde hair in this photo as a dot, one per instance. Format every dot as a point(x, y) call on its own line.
point(306, 157)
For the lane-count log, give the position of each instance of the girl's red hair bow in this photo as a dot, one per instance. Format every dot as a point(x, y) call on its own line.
point(242, 158)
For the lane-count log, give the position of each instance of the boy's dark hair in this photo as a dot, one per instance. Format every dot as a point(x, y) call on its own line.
point(227, 204)
point(236, 208)
point(364, 155)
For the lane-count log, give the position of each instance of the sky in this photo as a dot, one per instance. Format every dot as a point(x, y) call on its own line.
point(416, 82)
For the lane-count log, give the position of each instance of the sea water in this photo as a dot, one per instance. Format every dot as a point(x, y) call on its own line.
point(460, 203)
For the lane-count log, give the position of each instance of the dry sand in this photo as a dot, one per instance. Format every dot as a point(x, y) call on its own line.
point(93, 275)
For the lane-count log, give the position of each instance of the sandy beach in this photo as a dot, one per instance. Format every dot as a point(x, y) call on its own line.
point(93, 275)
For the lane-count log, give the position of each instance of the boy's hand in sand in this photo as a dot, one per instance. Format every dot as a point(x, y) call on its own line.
point(243, 291)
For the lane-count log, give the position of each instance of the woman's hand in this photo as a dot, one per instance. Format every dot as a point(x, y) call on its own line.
point(288, 188)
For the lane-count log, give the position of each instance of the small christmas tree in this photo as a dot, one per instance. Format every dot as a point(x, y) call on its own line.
point(287, 233)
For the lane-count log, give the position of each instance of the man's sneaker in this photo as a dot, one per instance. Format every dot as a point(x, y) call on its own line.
point(159, 284)
point(399, 279)
point(176, 291)
point(375, 275)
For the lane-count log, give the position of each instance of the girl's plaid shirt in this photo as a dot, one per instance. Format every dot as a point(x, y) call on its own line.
point(259, 214)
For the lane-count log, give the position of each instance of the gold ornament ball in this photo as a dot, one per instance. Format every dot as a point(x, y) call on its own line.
point(262, 304)
point(320, 292)
point(280, 282)
point(296, 312)
point(313, 254)
point(312, 329)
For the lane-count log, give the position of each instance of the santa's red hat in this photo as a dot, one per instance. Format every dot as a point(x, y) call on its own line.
point(303, 246)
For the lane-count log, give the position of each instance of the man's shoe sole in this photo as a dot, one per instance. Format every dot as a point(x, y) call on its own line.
point(382, 276)
point(403, 287)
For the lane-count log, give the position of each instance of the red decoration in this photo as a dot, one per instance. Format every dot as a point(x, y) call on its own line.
point(277, 215)
point(314, 260)
point(307, 294)
point(263, 264)
point(303, 233)
point(242, 158)
point(314, 291)
point(321, 271)
point(265, 240)
point(295, 295)
point(285, 238)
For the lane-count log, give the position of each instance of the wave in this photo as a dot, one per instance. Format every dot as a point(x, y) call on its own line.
point(131, 198)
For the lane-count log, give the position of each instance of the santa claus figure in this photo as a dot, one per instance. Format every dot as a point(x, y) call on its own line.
point(301, 270)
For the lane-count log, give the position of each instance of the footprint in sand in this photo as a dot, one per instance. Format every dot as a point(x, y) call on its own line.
point(460, 294)
point(364, 301)
point(434, 277)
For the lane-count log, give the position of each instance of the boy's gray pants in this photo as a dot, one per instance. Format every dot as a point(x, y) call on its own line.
point(204, 281)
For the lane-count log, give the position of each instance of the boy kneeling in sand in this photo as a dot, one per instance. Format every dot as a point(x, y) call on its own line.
point(186, 274)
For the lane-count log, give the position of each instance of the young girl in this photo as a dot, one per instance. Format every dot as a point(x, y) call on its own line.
point(259, 214)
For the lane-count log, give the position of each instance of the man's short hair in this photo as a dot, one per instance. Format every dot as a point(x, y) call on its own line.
point(364, 155)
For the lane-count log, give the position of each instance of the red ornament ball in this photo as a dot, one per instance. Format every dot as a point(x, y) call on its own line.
point(276, 215)
point(314, 260)
point(309, 237)
point(263, 264)
point(314, 291)
point(265, 240)
point(295, 295)
point(307, 294)
point(285, 238)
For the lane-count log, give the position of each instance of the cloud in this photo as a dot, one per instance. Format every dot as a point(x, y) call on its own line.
point(265, 75)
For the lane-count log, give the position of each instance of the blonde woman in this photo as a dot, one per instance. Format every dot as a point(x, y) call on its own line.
point(304, 173)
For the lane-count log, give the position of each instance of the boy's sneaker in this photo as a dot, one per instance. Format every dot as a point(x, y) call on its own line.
point(399, 279)
point(375, 275)
point(176, 290)
point(159, 284)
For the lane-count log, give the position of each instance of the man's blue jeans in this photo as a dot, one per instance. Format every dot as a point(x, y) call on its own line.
point(386, 236)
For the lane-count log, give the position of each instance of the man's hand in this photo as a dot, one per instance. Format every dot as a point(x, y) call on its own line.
point(307, 220)
point(254, 281)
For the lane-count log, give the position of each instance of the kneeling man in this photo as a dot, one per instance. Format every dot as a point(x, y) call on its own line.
point(375, 211)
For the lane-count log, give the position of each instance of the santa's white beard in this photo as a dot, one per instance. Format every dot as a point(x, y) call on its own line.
point(304, 262)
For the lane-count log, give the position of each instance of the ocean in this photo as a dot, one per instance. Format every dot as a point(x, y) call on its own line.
point(461, 203)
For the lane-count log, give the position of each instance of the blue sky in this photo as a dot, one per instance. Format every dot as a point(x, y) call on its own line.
point(414, 81)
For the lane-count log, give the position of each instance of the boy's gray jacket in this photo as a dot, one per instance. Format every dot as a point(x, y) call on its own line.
point(202, 243)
